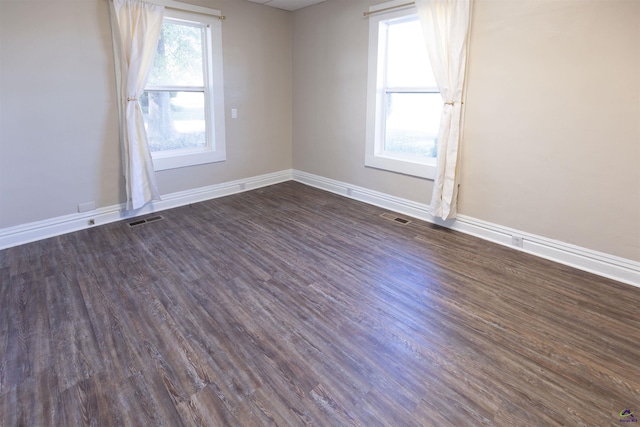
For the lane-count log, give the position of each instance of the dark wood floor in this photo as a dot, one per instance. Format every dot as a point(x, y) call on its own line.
point(291, 306)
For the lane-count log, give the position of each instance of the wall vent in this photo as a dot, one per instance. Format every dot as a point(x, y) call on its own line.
point(144, 221)
point(395, 218)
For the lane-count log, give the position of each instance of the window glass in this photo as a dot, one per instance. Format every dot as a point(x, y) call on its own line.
point(174, 120)
point(178, 60)
point(407, 59)
point(412, 122)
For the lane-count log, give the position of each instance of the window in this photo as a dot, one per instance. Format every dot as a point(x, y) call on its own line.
point(403, 100)
point(183, 102)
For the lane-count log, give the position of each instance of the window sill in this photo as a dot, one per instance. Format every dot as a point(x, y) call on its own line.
point(418, 169)
point(165, 161)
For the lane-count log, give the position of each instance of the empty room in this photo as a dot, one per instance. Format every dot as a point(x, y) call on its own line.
point(319, 212)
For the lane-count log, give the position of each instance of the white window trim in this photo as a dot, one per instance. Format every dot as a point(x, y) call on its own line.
point(177, 5)
point(214, 98)
point(374, 155)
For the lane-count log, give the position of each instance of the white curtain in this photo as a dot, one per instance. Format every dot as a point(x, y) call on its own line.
point(445, 24)
point(136, 29)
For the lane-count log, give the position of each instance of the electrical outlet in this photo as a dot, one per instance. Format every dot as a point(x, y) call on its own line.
point(517, 241)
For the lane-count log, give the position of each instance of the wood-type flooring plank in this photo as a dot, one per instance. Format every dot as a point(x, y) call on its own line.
point(291, 306)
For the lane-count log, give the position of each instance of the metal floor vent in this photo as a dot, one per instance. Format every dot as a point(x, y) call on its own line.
point(145, 221)
point(395, 218)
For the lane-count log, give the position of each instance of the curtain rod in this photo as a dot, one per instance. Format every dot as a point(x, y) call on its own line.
point(367, 14)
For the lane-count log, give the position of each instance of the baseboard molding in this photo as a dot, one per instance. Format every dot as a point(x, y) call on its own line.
point(26, 233)
point(620, 269)
point(602, 264)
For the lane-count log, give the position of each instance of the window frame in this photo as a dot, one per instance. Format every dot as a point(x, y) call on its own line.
point(375, 155)
point(215, 149)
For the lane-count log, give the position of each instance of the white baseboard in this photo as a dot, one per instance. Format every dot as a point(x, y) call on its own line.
point(602, 264)
point(617, 268)
point(25, 233)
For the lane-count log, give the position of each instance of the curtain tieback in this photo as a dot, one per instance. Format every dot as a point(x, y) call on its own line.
point(132, 99)
point(452, 103)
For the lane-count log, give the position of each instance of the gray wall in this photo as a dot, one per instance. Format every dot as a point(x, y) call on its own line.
point(552, 132)
point(551, 138)
point(58, 122)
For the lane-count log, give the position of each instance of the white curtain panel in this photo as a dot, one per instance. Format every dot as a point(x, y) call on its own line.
point(136, 29)
point(445, 24)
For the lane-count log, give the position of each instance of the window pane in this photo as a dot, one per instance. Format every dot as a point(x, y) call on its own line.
point(412, 122)
point(407, 58)
point(178, 60)
point(174, 120)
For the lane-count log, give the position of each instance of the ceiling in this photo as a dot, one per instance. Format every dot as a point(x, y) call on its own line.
point(288, 4)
